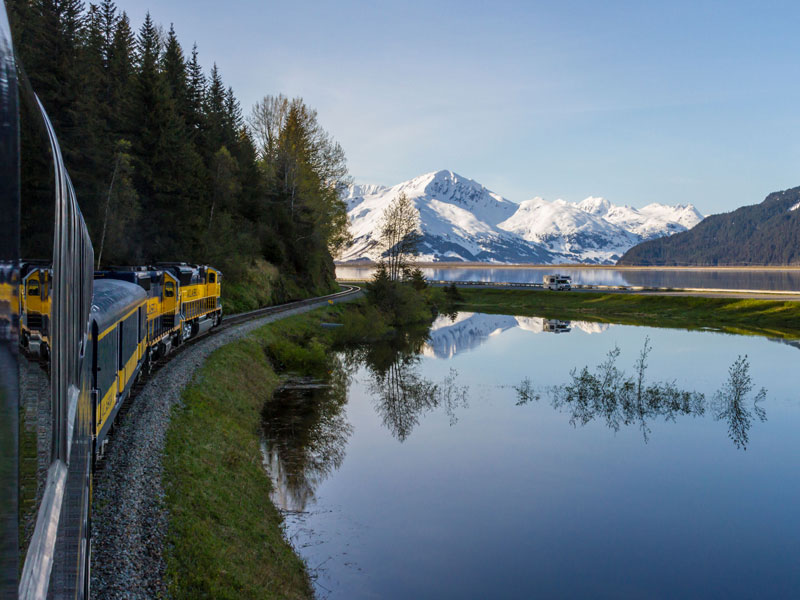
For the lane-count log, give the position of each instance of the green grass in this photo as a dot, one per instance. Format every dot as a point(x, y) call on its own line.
point(753, 317)
point(224, 538)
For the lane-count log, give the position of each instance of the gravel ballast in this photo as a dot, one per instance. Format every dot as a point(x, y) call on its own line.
point(129, 519)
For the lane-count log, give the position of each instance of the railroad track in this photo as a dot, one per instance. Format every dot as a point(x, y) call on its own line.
point(237, 319)
point(270, 310)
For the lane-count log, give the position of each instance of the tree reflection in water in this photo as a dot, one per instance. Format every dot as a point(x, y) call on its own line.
point(729, 403)
point(622, 400)
point(305, 426)
point(306, 435)
point(400, 393)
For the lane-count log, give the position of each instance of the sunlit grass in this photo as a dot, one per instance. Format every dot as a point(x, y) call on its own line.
point(225, 537)
point(775, 318)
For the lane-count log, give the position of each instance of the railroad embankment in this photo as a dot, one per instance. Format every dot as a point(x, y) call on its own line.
point(774, 318)
point(225, 536)
point(205, 526)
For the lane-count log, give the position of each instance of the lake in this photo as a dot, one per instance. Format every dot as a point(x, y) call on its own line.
point(519, 457)
point(729, 279)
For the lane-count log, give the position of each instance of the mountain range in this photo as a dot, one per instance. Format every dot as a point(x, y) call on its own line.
point(461, 220)
point(761, 234)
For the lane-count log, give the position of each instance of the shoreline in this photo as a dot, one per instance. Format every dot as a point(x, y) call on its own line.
point(767, 318)
point(478, 265)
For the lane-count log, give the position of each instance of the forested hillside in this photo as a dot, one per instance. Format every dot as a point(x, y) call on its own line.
point(762, 234)
point(164, 163)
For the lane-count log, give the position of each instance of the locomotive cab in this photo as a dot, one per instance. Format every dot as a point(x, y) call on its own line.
point(198, 297)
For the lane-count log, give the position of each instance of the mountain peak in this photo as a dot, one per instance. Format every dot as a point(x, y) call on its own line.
point(595, 205)
point(461, 220)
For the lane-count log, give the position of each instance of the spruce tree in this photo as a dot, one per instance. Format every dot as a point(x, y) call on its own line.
point(174, 68)
point(195, 92)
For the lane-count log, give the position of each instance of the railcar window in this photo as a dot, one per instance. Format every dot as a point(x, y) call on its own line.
point(120, 348)
point(33, 287)
point(169, 290)
point(212, 278)
point(105, 364)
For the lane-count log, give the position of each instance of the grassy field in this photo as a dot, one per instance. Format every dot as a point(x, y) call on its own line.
point(225, 538)
point(756, 317)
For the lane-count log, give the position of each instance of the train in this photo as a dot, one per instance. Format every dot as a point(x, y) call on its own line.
point(96, 332)
point(138, 315)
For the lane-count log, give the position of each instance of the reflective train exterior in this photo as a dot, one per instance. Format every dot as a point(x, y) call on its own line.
point(98, 332)
point(35, 297)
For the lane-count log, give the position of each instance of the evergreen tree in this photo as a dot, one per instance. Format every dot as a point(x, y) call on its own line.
point(195, 92)
point(121, 72)
point(163, 165)
point(174, 68)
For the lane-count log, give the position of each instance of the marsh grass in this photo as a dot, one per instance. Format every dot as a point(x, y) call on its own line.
point(773, 318)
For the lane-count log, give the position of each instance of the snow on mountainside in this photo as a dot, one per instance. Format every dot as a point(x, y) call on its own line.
point(460, 220)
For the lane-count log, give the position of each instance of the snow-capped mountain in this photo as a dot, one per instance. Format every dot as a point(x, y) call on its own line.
point(460, 220)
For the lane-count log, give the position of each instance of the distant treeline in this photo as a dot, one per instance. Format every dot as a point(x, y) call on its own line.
point(164, 164)
point(762, 234)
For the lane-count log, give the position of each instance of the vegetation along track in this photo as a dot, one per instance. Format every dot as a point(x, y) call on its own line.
point(129, 517)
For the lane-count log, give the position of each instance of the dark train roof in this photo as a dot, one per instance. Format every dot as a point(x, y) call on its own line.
point(140, 276)
point(187, 274)
point(112, 300)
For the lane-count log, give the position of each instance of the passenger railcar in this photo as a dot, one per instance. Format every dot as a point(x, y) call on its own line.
point(117, 348)
point(163, 314)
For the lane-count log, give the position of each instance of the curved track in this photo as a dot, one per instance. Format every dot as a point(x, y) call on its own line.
point(129, 515)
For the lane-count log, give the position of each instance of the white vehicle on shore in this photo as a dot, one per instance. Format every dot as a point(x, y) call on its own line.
point(558, 282)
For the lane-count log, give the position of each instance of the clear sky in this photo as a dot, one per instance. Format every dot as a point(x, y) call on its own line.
point(675, 102)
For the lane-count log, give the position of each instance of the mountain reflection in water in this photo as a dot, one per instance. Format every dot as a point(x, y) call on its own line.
point(452, 335)
point(608, 394)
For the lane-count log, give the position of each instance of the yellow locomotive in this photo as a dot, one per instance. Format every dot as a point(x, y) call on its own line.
point(199, 300)
point(183, 301)
point(35, 298)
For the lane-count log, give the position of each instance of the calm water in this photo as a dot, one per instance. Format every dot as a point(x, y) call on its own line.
point(744, 279)
point(486, 462)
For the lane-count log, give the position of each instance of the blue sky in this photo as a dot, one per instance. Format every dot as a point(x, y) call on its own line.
point(639, 102)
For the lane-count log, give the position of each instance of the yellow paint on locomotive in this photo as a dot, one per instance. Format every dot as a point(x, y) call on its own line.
point(162, 311)
point(34, 304)
point(202, 298)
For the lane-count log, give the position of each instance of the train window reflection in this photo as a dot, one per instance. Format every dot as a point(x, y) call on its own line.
point(169, 290)
point(33, 287)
